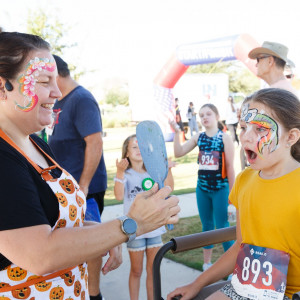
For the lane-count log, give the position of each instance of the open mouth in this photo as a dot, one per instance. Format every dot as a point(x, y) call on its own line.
point(251, 155)
point(47, 105)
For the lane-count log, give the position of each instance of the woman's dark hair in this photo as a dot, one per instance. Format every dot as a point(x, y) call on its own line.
point(14, 49)
point(285, 107)
point(62, 66)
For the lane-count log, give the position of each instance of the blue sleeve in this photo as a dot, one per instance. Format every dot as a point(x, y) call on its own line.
point(87, 117)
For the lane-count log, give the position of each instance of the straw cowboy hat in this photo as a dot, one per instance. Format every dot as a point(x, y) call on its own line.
point(271, 48)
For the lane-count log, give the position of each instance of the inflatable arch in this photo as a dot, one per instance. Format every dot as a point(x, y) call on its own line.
point(229, 48)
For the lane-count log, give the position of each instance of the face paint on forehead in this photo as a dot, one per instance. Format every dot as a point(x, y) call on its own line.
point(247, 114)
point(27, 81)
point(270, 139)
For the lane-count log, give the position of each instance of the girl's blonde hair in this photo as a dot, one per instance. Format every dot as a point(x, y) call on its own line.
point(125, 150)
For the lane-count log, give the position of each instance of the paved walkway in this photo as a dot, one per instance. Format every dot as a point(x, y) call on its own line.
point(114, 285)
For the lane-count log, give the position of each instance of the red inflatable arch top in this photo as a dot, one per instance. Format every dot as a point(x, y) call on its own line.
point(229, 48)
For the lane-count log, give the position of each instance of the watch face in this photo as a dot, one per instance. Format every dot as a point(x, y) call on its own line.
point(130, 226)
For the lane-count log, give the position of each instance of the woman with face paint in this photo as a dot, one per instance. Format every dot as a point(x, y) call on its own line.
point(44, 241)
point(265, 259)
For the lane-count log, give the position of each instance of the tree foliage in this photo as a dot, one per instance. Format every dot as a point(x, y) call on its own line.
point(47, 27)
point(117, 97)
point(241, 80)
point(53, 31)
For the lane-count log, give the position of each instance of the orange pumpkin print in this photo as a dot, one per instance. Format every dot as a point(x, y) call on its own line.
point(22, 293)
point(61, 223)
point(4, 298)
point(76, 224)
point(3, 284)
point(82, 270)
point(79, 200)
point(16, 273)
point(83, 295)
point(67, 185)
point(62, 199)
point(77, 288)
point(40, 286)
point(72, 212)
point(57, 293)
point(43, 286)
point(68, 278)
point(86, 280)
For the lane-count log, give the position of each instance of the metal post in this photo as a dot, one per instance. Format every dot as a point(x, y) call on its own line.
point(156, 269)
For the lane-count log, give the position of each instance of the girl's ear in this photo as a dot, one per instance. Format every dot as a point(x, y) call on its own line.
point(3, 95)
point(293, 136)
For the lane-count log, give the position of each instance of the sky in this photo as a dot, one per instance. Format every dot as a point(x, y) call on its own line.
point(133, 39)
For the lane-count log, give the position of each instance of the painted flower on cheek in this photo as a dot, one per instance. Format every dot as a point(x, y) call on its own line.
point(28, 81)
point(28, 86)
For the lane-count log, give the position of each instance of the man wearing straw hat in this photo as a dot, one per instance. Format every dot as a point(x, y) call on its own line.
point(271, 61)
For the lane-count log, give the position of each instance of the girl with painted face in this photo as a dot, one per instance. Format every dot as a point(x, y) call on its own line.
point(132, 179)
point(215, 173)
point(44, 241)
point(265, 258)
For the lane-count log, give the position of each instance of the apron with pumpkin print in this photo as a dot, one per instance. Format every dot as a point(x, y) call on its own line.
point(71, 283)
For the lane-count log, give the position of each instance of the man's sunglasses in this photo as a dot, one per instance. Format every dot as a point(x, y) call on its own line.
point(262, 57)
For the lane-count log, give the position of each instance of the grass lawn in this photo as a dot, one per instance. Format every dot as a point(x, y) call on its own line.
point(185, 178)
point(192, 258)
point(185, 173)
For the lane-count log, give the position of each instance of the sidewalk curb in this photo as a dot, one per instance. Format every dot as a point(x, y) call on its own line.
point(114, 285)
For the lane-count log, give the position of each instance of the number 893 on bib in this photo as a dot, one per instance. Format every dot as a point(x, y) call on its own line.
point(260, 272)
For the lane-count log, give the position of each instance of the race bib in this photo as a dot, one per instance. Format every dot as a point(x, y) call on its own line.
point(260, 273)
point(209, 160)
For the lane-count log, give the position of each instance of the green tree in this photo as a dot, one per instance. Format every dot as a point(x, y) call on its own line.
point(47, 27)
point(240, 78)
point(117, 97)
point(53, 31)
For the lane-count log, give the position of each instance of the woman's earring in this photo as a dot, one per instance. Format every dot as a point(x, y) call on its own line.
point(8, 86)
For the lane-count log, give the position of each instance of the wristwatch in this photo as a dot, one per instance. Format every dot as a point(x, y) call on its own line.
point(129, 227)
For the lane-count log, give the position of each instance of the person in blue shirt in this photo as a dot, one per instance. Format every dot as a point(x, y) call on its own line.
point(76, 141)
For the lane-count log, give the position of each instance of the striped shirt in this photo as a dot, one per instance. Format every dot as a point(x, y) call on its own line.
point(210, 162)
